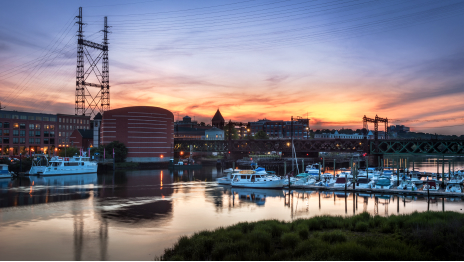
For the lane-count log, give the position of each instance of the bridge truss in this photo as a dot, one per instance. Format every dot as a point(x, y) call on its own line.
point(430, 147)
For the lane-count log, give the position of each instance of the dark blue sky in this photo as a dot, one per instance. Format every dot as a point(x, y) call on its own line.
point(333, 60)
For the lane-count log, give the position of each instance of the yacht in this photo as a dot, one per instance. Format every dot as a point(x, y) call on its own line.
point(4, 173)
point(453, 187)
point(66, 166)
point(230, 172)
point(257, 180)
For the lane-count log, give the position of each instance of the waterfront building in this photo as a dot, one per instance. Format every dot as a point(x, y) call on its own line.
point(214, 134)
point(147, 132)
point(82, 138)
point(187, 122)
point(281, 129)
point(27, 133)
point(189, 132)
point(398, 128)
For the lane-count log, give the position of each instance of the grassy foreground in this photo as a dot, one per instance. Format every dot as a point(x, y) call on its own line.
point(417, 236)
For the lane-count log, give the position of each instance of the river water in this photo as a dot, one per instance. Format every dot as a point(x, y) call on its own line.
point(135, 215)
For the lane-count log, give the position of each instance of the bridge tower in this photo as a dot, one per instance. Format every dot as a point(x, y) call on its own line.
point(86, 103)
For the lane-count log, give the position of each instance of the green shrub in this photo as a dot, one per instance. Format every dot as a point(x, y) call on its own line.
point(290, 240)
point(333, 236)
point(361, 226)
point(303, 232)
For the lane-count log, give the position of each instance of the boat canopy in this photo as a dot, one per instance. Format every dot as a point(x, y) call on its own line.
point(260, 169)
point(363, 181)
point(340, 180)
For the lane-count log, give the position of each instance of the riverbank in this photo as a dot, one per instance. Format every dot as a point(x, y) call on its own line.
point(417, 236)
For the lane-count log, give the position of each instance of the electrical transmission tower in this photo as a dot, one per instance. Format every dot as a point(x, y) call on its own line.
point(86, 103)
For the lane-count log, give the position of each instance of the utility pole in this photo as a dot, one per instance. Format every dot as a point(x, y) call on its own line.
point(85, 102)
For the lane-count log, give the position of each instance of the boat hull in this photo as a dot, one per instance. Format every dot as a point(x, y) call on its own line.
point(50, 171)
point(260, 184)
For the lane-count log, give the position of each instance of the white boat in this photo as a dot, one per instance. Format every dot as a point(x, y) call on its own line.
point(431, 185)
point(364, 183)
point(341, 182)
point(346, 175)
point(315, 166)
point(416, 180)
point(407, 184)
point(455, 179)
point(229, 174)
point(258, 181)
point(4, 173)
point(67, 166)
point(303, 179)
point(453, 188)
point(39, 163)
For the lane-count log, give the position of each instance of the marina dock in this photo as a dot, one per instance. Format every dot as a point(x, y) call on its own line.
point(439, 192)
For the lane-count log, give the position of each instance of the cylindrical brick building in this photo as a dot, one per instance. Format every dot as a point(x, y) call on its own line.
point(147, 132)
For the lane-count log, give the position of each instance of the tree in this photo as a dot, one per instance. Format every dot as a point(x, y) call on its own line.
point(234, 132)
point(202, 123)
point(69, 152)
point(261, 135)
point(120, 151)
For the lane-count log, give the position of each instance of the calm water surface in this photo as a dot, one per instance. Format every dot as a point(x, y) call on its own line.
point(135, 215)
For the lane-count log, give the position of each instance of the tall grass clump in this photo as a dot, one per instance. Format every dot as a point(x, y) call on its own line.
point(417, 236)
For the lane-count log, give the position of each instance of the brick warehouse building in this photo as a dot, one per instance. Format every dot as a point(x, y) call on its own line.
point(147, 132)
point(27, 133)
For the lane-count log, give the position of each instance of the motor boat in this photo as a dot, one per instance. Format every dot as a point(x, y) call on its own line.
point(415, 178)
point(364, 183)
point(383, 183)
point(303, 179)
point(431, 185)
point(256, 180)
point(453, 188)
point(66, 166)
point(341, 182)
point(455, 179)
point(4, 173)
point(346, 175)
point(407, 184)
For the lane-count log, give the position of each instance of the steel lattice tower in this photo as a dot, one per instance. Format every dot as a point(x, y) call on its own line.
point(85, 101)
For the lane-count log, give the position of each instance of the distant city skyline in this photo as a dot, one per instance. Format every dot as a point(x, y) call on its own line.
point(333, 61)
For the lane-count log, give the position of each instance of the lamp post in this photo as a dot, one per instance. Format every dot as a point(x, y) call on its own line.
point(307, 132)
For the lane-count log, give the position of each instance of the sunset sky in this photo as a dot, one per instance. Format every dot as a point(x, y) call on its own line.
point(334, 61)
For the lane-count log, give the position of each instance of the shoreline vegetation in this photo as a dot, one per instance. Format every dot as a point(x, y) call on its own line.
point(416, 236)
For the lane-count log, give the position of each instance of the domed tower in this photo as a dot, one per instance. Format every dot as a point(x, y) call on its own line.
point(218, 120)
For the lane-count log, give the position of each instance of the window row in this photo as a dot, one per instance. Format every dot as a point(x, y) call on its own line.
point(24, 117)
point(69, 127)
point(73, 121)
point(6, 132)
point(32, 141)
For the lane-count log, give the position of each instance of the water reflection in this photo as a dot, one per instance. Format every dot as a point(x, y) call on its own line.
point(135, 215)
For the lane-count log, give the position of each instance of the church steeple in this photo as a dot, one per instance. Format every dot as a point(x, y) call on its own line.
point(218, 120)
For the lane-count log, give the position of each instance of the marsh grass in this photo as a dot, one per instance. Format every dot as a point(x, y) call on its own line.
point(417, 236)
